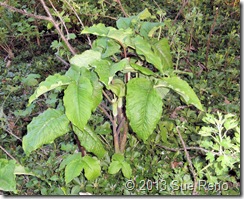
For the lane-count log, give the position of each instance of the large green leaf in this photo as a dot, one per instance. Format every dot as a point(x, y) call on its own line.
point(103, 68)
point(73, 169)
point(148, 28)
point(144, 48)
point(142, 69)
point(143, 107)
point(92, 167)
point(44, 129)
point(125, 22)
point(162, 50)
point(182, 88)
point(106, 70)
point(7, 177)
point(111, 48)
point(106, 46)
point(119, 66)
point(90, 141)
point(117, 86)
point(50, 83)
point(78, 102)
point(97, 29)
point(69, 159)
point(121, 36)
point(86, 58)
point(73, 72)
point(97, 95)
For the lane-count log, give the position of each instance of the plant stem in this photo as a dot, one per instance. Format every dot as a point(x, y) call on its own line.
point(209, 37)
point(194, 192)
point(116, 137)
point(124, 137)
point(8, 154)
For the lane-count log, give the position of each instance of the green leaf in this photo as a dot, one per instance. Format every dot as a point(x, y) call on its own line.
point(7, 177)
point(119, 66)
point(69, 159)
point(148, 28)
point(164, 134)
point(206, 131)
point(114, 167)
point(71, 36)
point(126, 169)
point(21, 170)
point(120, 36)
point(78, 102)
point(162, 50)
point(104, 129)
point(50, 83)
point(73, 169)
point(106, 46)
point(145, 14)
point(162, 92)
point(210, 156)
point(144, 48)
point(106, 70)
point(142, 69)
point(124, 22)
point(182, 88)
point(230, 124)
point(92, 167)
point(103, 68)
point(90, 141)
point(97, 95)
point(209, 119)
point(97, 29)
point(143, 107)
point(118, 157)
point(97, 87)
point(73, 73)
point(30, 80)
point(49, 25)
point(85, 59)
point(117, 86)
point(111, 48)
point(44, 129)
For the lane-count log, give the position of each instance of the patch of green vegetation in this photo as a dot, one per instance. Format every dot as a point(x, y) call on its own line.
point(204, 40)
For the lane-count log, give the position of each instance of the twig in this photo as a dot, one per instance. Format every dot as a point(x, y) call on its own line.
point(77, 16)
point(194, 192)
point(60, 18)
point(107, 97)
point(120, 125)
point(121, 7)
point(123, 139)
point(62, 60)
point(98, 15)
point(81, 148)
point(106, 113)
point(188, 148)
point(209, 37)
point(51, 19)
point(13, 9)
point(12, 134)
point(180, 11)
point(8, 154)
